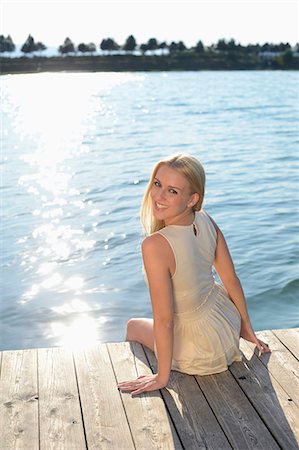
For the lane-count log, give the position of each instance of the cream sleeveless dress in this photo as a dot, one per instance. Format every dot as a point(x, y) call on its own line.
point(206, 322)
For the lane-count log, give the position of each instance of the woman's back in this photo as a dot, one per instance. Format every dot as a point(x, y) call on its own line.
point(194, 249)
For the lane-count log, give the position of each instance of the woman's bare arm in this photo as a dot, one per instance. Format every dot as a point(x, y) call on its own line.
point(156, 254)
point(225, 268)
point(155, 258)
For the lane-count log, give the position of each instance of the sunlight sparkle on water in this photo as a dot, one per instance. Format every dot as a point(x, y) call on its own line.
point(74, 283)
point(74, 306)
point(81, 333)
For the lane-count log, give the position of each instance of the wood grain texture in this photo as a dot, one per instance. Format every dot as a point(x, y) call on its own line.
point(290, 338)
point(57, 399)
point(237, 417)
point(151, 426)
point(268, 398)
point(195, 422)
point(105, 419)
point(282, 364)
point(19, 400)
point(61, 425)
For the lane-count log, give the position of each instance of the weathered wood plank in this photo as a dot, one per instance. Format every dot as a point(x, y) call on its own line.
point(105, 420)
point(61, 424)
point(195, 422)
point(149, 421)
point(19, 400)
point(282, 364)
point(268, 397)
point(237, 417)
point(289, 338)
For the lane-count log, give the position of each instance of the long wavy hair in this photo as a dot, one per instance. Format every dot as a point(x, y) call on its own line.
point(191, 169)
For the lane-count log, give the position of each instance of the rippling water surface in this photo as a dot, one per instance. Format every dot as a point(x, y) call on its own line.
point(77, 150)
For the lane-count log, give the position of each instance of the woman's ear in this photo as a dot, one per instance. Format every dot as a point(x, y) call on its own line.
point(194, 200)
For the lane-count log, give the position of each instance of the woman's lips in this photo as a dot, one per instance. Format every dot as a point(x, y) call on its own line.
point(159, 206)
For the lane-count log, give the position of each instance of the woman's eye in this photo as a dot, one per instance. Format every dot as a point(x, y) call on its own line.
point(156, 183)
point(172, 191)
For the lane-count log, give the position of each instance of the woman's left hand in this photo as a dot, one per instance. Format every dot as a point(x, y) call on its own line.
point(144, 383)
point(248, 334)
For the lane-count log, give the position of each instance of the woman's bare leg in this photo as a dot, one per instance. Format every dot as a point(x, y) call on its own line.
point(142, 331)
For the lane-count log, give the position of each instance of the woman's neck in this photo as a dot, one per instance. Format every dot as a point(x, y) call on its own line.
point(186, 218)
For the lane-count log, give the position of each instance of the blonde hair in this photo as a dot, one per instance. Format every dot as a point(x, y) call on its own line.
point(191, 169)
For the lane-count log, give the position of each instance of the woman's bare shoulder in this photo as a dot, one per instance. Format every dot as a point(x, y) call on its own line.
point(155, 242)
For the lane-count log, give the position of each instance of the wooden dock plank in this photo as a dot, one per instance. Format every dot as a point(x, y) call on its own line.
point(149, 421)
point(268, 397)
point(282, 364)
point(61, 424)
point(105, 419)
point(63, 400)
point(195, 422)
point(290, 338)
point(237, 417)
point(19, 400)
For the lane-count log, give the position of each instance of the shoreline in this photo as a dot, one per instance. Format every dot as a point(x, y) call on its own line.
point(133, 63)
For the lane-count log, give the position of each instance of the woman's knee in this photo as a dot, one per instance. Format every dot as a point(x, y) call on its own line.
point(132, 326)
point(141, 330)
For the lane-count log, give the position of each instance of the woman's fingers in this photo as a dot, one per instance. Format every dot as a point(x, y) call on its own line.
point(262, 347)
point(128, 385)
point(138, 386)
point(139, 391)
point(145, 388)
point(133, 384)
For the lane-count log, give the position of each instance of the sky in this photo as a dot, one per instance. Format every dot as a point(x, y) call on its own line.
point(255, 21)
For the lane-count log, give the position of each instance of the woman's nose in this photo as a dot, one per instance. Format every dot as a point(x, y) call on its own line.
point(161, 194)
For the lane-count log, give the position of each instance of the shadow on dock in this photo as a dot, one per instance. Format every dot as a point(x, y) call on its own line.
point(251, 405)
point(68, 399)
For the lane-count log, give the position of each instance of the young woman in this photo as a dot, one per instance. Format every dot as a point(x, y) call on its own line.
point(196, 322)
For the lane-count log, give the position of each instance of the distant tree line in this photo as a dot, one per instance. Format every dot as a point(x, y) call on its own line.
point(130, 45)
point(155, 55)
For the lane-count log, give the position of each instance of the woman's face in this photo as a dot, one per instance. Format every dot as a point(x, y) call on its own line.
point(171, 196)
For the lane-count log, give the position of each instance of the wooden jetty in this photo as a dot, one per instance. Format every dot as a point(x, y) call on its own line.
point(55, 398)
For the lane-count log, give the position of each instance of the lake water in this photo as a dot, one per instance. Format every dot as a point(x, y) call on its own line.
point(77, 150)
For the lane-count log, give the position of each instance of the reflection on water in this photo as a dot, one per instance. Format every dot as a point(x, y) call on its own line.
point(78, 149)
point(81, 333)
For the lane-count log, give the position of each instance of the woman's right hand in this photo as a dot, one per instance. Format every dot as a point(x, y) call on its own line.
point(248, 334)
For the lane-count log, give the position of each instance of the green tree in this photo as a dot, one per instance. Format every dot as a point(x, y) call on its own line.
point(109, 44)
point(152, 44)
point(39, 46)
point(288, 58)
point(162, 46)
point(199, 48)
point(284, 47)
point(29, 45)
point(143, 48)
point(130, 44)
point(231, 45)
point(221, 45)
point(250, 48)
point(66, 47)
point(83, 48)
point(181, 46)
point(6, 44)
point(86, 48)
point(175, 47)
